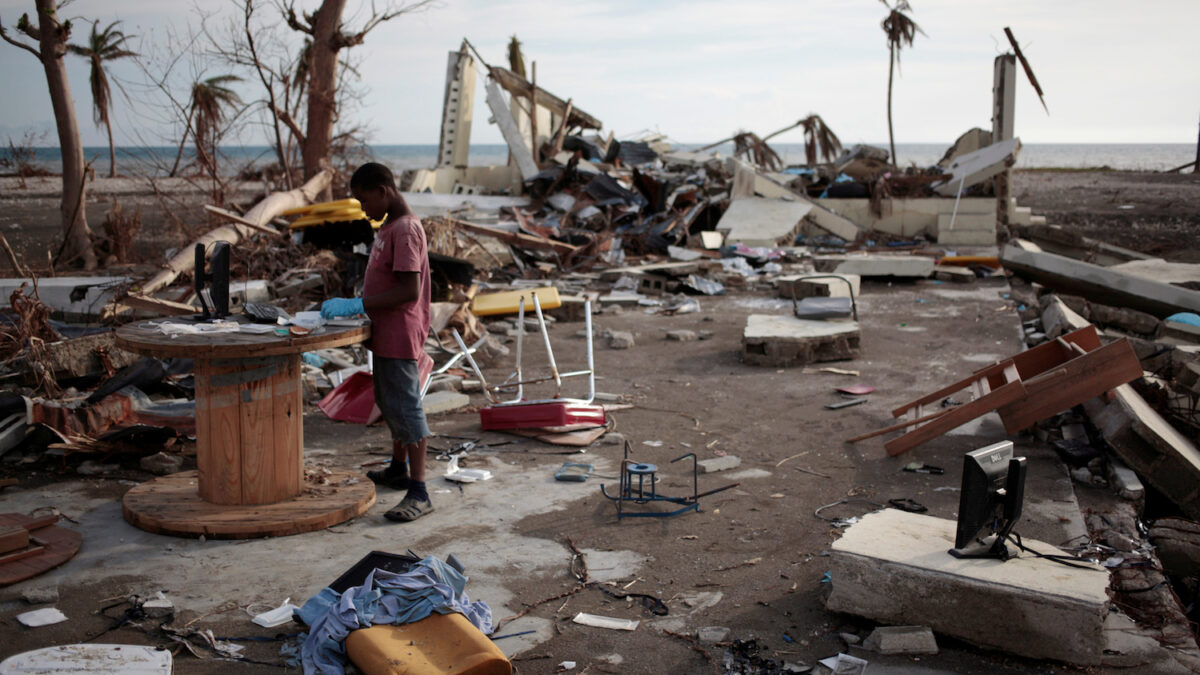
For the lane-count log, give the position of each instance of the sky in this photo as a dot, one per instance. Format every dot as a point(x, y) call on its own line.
point(699, 71)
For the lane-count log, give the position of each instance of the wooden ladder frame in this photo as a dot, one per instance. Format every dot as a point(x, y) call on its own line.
point(1024, 388)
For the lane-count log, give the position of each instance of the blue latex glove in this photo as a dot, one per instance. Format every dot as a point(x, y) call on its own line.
point(335, 307)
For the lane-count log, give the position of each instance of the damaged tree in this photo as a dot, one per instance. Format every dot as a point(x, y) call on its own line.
point(328, 37)
point(901, 30)
point(52, 35)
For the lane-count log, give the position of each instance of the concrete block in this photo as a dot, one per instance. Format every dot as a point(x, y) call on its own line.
point(444, 401)
point(902, 640)
point(1181, 331)
point(876, 265)
point(775, 340)
point(966, 221)
point(893, 566)
point(56, 293)
point(715, 464)
point(802, 286)
point(967, 238)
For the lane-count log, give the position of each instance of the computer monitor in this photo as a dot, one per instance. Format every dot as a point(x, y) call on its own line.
point(212, 286)
point(993, 487)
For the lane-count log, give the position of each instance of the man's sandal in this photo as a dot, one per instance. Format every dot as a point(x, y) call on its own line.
point(408, 510)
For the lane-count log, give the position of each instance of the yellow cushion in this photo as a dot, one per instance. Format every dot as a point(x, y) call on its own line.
point(508, 302)
point(438, 644)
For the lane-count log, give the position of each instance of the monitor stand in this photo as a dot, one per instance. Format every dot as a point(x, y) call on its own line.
point(991, 547)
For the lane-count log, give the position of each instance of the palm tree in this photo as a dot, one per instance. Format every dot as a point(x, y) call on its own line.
point(819, 139)
point(210, 98)
point(900, 31)
point(103, 45)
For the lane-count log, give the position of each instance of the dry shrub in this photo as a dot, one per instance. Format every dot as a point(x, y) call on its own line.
point(29, 332)
point(120, 232)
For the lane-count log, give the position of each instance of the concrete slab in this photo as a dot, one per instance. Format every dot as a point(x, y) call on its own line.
point(1160, 270)
point(967, 238)
point(1100, 284)
point(966, 221)
point(757, 221)
point(775, 340)
point(893, 566)
point(432, 204)
point(876, 265)
point(55, 292)
point(975, 167)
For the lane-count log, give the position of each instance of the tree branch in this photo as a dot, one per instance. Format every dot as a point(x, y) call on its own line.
point(286, 117)
point(22, 45)
point(289, 15)
point(354, 39)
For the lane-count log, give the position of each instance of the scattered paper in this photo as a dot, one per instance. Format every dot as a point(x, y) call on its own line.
point(42, 617)
point(278, 616)
point(597, 621)
point(844, 664)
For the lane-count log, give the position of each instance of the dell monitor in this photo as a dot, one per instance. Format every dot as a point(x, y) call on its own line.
point(212, 286)
point(993, 486)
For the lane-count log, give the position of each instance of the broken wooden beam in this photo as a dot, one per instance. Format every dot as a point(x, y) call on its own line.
point(522, 88)
point(519, 239)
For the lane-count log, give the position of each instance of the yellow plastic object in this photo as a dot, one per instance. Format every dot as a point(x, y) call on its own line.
point(509, 302)
point(309, 221)
point(438, 644)
point(324, 207)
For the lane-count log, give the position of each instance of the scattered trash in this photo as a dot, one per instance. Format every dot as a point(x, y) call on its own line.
point(41, 617)
point(454, 473)
point(573, 472)
point(856, 389)
point(95, 659)
point(277, 616)
point(597, 621)
point(844, 664)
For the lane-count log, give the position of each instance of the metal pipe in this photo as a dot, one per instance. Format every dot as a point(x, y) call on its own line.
point(474, 366)
point(537, 306)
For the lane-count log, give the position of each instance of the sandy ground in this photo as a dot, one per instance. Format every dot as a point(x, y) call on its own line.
point(752, 559)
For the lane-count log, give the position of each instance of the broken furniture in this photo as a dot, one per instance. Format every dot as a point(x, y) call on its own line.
point(833, 307)
point(521, 413)
point(638, 485)
point(892, 567)
point(1024, 389)
point(249, 440)
point(29, 546)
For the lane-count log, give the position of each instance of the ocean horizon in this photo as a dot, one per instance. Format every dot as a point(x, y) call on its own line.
point(156, 161)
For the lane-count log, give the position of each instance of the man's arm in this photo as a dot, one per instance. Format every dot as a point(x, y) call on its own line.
point(408, 289)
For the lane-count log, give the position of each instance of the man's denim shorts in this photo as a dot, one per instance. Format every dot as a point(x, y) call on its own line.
point(398, 395)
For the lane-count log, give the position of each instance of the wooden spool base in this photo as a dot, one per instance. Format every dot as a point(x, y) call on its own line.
point(60, 546)
point(172, 505)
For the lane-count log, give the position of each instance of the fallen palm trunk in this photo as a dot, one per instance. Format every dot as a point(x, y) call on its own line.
point(262, 213)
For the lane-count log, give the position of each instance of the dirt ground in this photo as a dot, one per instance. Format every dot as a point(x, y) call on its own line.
point(752, 559)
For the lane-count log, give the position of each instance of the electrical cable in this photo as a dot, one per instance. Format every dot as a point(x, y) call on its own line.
point(1015, 538)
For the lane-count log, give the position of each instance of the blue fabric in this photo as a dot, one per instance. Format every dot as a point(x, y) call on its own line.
point(1185, 318)
point(384, 598)
point(335, 307)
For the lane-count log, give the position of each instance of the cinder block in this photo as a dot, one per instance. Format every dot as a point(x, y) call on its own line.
point(968, 238)
point(893, 567)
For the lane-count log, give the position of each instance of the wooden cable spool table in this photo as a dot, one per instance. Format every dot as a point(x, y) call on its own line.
point(250, 478)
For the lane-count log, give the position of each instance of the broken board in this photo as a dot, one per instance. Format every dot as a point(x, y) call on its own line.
point(58, 546)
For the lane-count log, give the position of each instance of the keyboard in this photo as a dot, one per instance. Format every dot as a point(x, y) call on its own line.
point(264, 313)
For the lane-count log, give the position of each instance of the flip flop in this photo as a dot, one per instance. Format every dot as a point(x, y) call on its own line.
point(409, 510)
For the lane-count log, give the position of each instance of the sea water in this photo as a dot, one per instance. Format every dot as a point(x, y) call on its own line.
point(156, 161)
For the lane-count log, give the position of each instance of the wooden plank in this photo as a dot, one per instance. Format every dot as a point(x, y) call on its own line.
point(170, 505)
point(508, 129)
point(21, 555)
point(256, 408)
point(218, 436)
point(288, 417)
point(143, 338)
point(520, 87)
point(13, 538)
point(897, 427)
point(517, 238)
point(955, 418)
point(942, 393)
point(157, 305)
point(1080, 379)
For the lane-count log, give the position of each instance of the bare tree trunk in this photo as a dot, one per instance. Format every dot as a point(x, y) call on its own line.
point(52, 38)
point(260, 214)
point(112, 152)
point(891, 134)
point(322, 87)
point(187, 127)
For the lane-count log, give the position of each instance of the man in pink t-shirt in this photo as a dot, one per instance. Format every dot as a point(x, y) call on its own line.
point(396, 298)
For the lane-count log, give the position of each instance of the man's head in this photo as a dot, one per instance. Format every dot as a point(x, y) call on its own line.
point(374, 187)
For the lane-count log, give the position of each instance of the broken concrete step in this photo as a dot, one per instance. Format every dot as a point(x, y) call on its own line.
point(775, 340)
point(876, 265)
point(893, 566)
point(958, 237)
